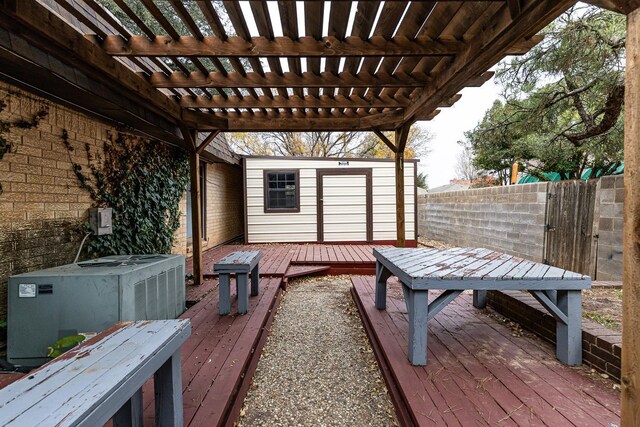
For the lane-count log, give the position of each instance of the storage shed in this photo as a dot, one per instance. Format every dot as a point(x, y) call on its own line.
point(311, 199)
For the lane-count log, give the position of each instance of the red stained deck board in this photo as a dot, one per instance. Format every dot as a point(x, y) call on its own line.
point(489, 410)
point(425, 413)
point(499, 405)
point(217, 355)
point(438, 385)
point(216, 400)
point(508, 372)
point(194, 293)
point(550, 373)
point(544, 398)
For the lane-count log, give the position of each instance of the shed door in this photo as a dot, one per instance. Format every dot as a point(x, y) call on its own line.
point(344, 205)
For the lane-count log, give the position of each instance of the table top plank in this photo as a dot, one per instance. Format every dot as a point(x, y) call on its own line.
point(537, 272)
point(432, 264)
point(520, 271)
point(471, 269)
point(469, 257)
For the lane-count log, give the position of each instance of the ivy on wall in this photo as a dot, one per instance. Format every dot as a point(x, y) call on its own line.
point(6, 126)
point(143, 182)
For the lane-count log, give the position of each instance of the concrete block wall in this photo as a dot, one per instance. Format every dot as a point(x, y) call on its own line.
point(509, 219)
point(610, 198)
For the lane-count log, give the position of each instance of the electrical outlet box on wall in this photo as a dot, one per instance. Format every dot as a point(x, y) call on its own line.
point(100, 221)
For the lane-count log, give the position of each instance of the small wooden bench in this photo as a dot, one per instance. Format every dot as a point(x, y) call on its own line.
point(102, 379)
point(241, 263)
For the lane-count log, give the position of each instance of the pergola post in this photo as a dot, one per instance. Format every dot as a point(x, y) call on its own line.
point(630, 377)
point(402, 134)
point(190, 139)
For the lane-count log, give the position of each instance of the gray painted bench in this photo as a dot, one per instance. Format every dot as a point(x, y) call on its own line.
point(102, 379)
point(477, 269)
point(241, 263)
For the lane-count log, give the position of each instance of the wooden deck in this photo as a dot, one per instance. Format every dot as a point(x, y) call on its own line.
point(478, 372)
point(219, 358)
point(342, 259)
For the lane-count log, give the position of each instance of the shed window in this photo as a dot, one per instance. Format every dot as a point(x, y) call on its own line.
point(282, 191)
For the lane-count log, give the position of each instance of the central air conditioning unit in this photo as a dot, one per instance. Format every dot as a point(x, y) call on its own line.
point(88, 297)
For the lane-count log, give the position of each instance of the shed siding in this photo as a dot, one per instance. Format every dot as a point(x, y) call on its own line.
point(302, 226)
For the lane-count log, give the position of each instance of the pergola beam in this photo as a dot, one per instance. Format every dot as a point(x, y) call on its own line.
point(294, 101)
point(305, 47)
point(323, 101)
point(620, 6)
point(254, 80)
point(485, 50)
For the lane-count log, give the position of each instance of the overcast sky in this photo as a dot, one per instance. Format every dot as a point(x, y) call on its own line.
point(448, 128)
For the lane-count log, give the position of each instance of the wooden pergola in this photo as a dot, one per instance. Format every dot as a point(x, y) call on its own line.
point(372, 66)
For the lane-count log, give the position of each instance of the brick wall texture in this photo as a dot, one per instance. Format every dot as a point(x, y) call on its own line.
point(42, 209)
point(224, 208)
point(508, 219)
point(609, 257)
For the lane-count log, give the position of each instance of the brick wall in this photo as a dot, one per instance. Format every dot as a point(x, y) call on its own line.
point(609, 258)
point(41, 209)
point(224, 209)
point(509, 219)
point(601, 347)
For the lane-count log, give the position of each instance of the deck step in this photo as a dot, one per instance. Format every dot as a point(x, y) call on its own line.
point(304, 270)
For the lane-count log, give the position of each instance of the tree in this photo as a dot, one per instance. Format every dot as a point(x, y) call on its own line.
point(465, 167)
point(422, 181)
point(326, 144)
point(562, 102)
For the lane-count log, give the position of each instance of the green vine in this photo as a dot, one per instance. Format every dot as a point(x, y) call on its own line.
point(6, 126)
point(143, 181)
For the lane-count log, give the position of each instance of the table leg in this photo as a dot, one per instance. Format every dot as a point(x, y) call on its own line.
point(569, 335)
point(130, 415)
point(479, 299)
point(418, 310)
point(224, 292)
point(243, 293)
point(255, 279)
point(168, 389)
point(382, 275)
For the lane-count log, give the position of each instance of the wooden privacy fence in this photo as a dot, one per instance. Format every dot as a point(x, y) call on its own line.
point(571, 228)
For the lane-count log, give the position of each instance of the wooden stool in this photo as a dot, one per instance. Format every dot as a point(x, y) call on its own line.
point(241, 263)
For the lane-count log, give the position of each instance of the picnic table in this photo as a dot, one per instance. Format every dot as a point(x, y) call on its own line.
point(456, 270)
point(102, 379)
point(240, 263)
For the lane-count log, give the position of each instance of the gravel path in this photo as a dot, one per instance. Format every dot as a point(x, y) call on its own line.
point(317, 367)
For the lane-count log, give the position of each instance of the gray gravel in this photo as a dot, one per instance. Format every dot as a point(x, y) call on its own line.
point(317, 367)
